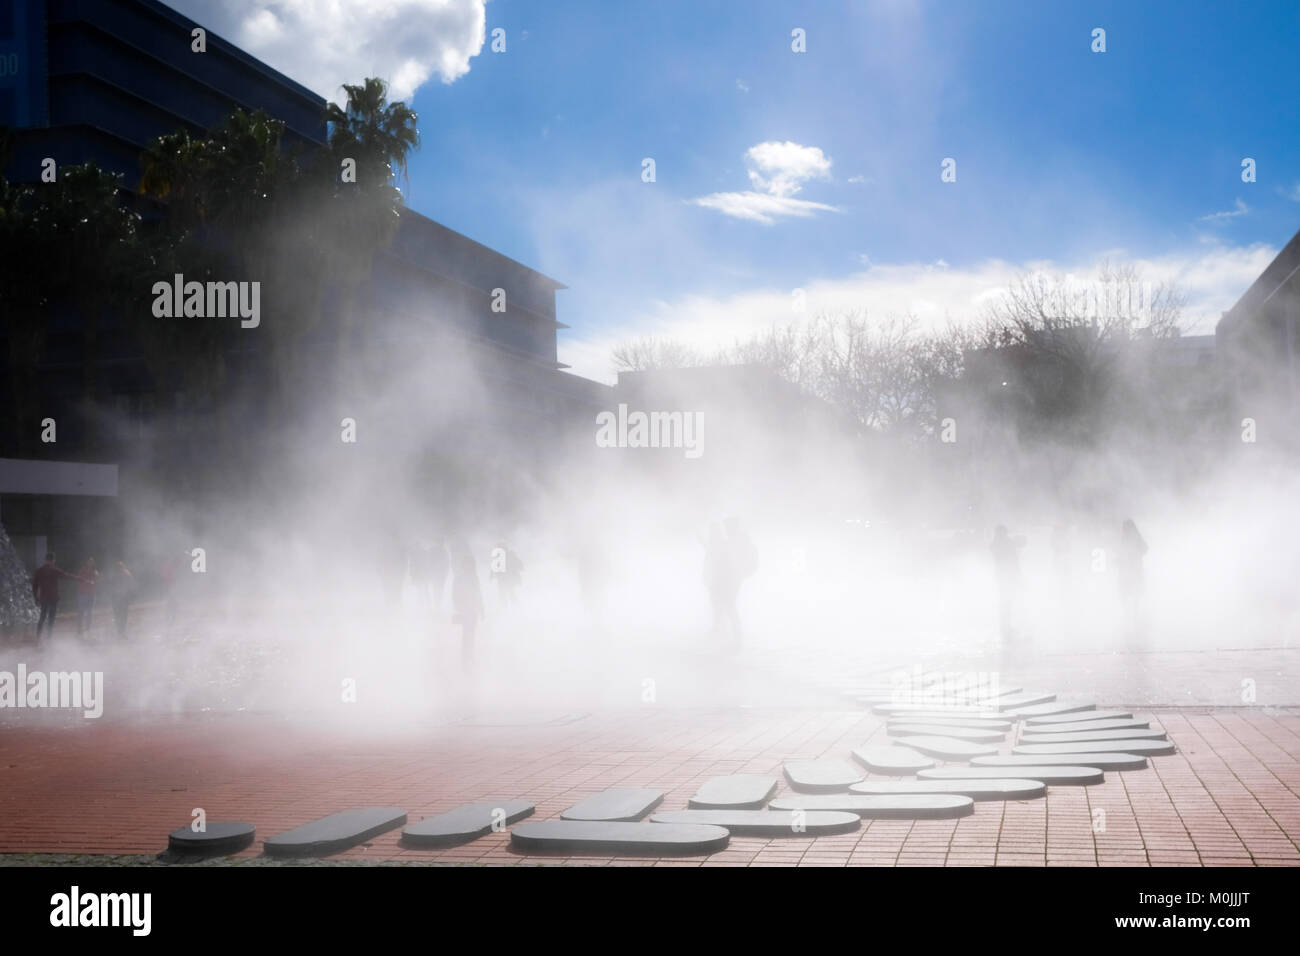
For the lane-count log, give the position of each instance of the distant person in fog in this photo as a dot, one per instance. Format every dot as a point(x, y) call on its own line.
point(466, 599)
point(1132, 577)
point(1006, 565)
point(121, 586)
point(45, 589)
point(729, 559)
point(89, 577)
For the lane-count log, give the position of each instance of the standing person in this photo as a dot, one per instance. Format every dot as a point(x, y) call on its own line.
point(121, 589)
point(1006, 563)
point(729, 558)
point(466, 600)
point(86, 595)
point(45, 588)
point(1132, 577)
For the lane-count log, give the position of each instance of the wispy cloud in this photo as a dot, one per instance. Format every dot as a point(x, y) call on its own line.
point(742, 85)
point(1215, 218)
point(777, 171)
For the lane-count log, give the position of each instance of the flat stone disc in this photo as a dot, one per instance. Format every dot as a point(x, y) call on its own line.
point(616, 805)
point(338, 831)
point(932, 711)
point(821, 776)
point(1102, 761)
point(1053, 709)
point(740, 791)
point(466, 823)
point(968, 734)
point(218, 837)
point(1048, 774)
point(1100, 736)
point(1151, 748)
point(1039, 720)
point(974, 723)
point(1022, 701)
point(902, 806)
point(891, 761)
point(949, 748)
point(1086, 726)
point(640, 839)
point(770, 823)
point(993, 789)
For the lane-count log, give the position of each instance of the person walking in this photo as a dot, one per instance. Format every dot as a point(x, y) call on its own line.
point(45, 589)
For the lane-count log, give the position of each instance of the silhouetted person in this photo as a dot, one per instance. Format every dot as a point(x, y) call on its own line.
point(45, 589)
point(507, 572)
point(1132, 578)
point(466, 601)
point(1006, 564)
point(86, 595)
point(121, 590)
point(729, 558)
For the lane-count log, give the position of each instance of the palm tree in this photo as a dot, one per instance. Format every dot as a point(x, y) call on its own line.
point(377, 136)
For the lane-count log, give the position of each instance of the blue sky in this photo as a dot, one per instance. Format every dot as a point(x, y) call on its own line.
point(1062, 155)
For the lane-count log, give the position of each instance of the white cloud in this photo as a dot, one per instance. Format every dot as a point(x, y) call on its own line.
point(1293, 193)
point(742, 85)
point(936, 293)
point(325, 44)
point(777, 171)
point(1239, 209)
point(782, 168)
point(760, 207)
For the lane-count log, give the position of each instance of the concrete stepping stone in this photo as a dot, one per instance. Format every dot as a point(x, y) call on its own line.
point(740, 791)
point(1052, 709)
point(933, 711)
point(891, 761)
point(939, 730)
point(770, 823)
point(466, 823)
point(1064, 775)
point(1083, 726)
point(616, 805)
point(821, 776)
point(639, 839)
point(338, 831)
point(949, 748)
point(997, 788)
point(1150, 748)
point(901, 806)
point(1083, 736)
point(1040, 720)
point(974, 723)
point(216, 838)
point(1102, 761)
point(1022, 701)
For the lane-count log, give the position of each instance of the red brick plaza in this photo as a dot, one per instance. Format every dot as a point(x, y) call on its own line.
point(1230, 796)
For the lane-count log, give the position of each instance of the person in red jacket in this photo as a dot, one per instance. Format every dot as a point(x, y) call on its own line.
point(45, 588)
